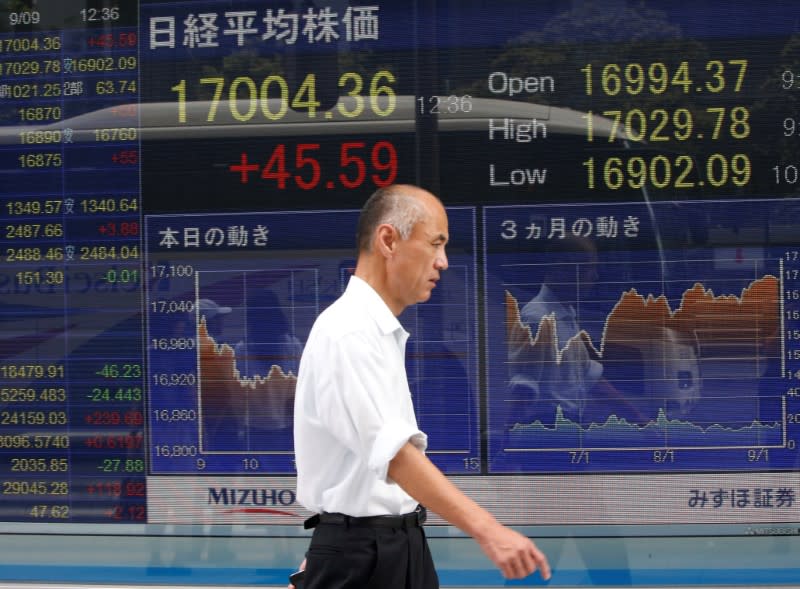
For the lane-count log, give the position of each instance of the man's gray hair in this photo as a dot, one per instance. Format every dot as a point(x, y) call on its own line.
point(395, 205)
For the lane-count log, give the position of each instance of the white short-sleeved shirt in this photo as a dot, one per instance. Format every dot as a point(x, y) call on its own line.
point(353, 409)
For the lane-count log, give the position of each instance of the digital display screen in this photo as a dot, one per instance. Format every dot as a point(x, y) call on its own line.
point(620, 322)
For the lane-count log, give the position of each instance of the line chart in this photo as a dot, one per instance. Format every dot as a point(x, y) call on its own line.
point(615, 357)
point(228, 334)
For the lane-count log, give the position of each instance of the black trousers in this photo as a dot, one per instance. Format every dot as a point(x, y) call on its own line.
point(362, 557)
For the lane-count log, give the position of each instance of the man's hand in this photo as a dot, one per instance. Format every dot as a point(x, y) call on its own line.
point(514, 554)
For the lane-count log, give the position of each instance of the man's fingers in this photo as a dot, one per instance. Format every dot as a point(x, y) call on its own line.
point(515, 555)
point(522, 564)
point(541, 563)
point(526, 563)
point(544, 570)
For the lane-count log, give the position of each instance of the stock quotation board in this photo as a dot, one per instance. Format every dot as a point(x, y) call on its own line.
point(180, 184)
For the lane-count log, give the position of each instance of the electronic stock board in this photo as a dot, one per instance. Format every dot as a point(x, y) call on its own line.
point(620, 323)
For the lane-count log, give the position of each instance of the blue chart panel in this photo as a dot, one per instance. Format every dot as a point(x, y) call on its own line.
point(231, 301)
point(641, 338)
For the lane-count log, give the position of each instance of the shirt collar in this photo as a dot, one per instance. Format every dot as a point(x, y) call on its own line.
point(374, 305)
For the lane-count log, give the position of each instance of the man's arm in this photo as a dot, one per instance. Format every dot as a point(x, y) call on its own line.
point(514, 554)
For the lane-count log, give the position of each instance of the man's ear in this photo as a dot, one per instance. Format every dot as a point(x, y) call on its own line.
point(386, 240)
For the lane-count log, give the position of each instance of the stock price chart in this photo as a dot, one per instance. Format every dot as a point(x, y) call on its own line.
point(179, 188)
point(609, 355)
point(225, 340)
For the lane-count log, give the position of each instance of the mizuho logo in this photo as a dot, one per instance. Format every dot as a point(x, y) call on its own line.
point(260, 497)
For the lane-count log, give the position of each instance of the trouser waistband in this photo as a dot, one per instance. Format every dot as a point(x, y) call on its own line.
point(415, 519)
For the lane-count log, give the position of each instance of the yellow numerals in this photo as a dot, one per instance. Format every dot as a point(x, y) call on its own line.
point(680, 124)
point(667, 172)
point(271, 98)
point(634, 79)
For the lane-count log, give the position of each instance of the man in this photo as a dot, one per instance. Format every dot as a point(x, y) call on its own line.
point(360, 455)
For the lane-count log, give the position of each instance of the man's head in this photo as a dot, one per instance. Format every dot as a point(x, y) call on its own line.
point(402, 233)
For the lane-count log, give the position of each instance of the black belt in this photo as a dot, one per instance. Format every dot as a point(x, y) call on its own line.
point(415, 519)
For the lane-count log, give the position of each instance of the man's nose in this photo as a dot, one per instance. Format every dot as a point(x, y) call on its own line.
point(441, 261)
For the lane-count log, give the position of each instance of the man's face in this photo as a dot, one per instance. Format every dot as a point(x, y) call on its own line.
point(419, 260)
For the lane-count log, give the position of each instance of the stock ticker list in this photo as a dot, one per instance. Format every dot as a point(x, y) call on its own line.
point(71, 374)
